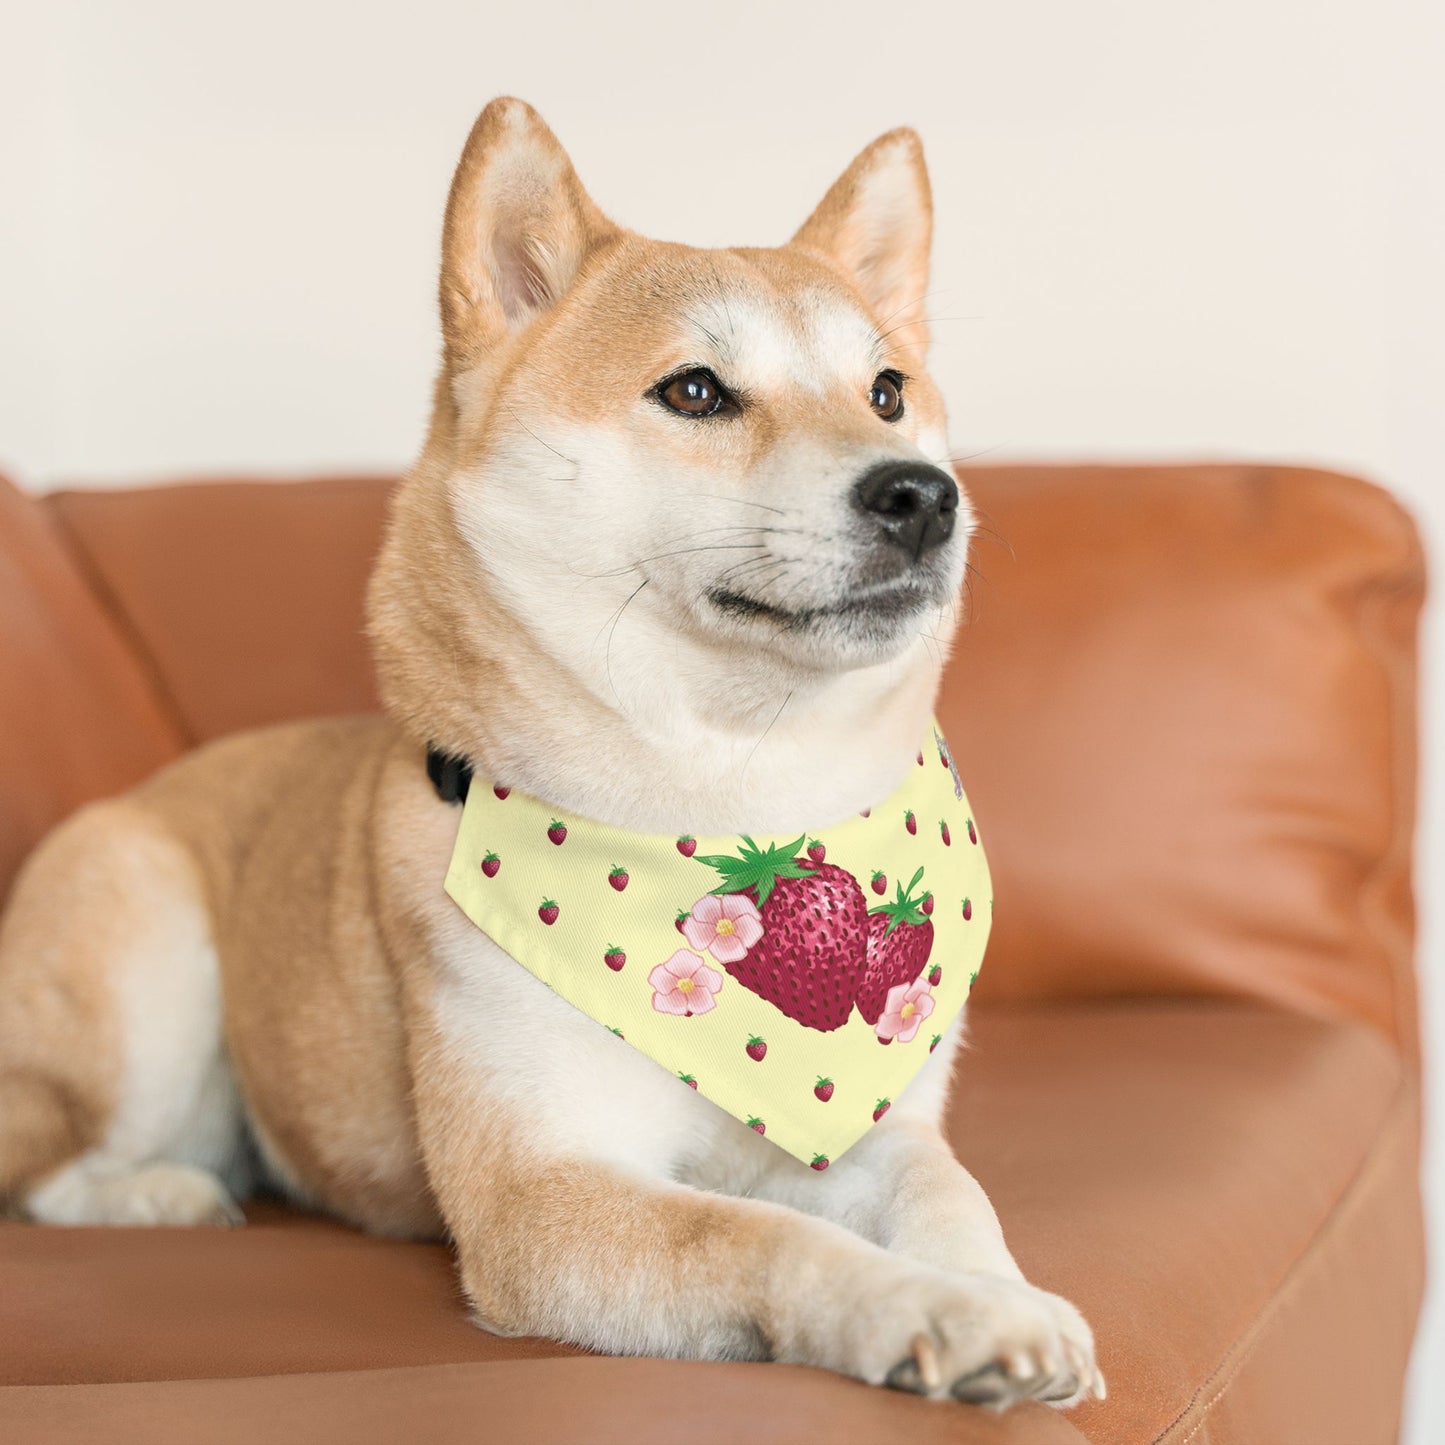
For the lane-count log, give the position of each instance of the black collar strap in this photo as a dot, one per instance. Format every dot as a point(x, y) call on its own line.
point(451, 776)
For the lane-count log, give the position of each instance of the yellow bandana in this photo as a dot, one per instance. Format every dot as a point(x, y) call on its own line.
point(798, 982)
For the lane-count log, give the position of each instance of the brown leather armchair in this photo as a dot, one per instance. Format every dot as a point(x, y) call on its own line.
point(1186, 700)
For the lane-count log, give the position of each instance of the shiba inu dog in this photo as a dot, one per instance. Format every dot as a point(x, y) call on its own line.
point(677, 550)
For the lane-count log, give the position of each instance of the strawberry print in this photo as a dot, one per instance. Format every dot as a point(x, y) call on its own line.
point(614, 958)
point(881, 1108)
point(927, 905)
point(501, 792)
point(548, 912)
point(557, 832)
point(943, 832)
point(934, 1042)
point(880, 882)
point(920, 757)
point(680, 921)
point(935, 976)
point(972, 832)
point(967, 909)
point(823, 1089)
point(687, 845)
point(812, 951)
point(688, 1080)
point(618, 878)
point(757, 1125)
point(943, 754)
point(491, 865)
point(820, 1162)
point(618, 1032)
point(757, 1048)
point(910, 822)
point(816, 851)
point(900, 938)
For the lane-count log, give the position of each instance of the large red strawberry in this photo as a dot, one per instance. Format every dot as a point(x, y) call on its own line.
point(813, 951)
point(900, 938)
point(491, 864)
point(557, 832)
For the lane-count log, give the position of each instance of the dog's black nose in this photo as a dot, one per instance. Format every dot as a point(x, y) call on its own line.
point(914, 504)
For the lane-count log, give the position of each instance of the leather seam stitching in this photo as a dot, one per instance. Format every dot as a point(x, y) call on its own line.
point(1242, 1350)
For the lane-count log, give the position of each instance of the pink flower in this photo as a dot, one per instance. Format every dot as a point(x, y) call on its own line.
point(725, 925)
point(905, 1008)
point(685, 985)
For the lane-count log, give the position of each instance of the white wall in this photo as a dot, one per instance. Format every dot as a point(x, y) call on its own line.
point(1164, 228)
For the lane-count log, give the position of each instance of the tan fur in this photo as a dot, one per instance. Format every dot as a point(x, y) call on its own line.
point(263, 922)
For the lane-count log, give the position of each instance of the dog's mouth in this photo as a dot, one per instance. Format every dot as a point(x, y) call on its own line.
point(885, 605)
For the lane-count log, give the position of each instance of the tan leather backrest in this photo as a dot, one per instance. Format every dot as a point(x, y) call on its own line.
point(79, 718)
point(1184, 705)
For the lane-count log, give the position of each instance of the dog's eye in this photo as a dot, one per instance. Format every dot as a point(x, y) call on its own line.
point(694, 393)
point(886, 397)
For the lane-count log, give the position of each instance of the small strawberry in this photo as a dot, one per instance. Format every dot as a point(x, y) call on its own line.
point(757, 1125)
point(500, 791)
point(618, 1032)
point(967, 909)
point(823, 1088)
point(935, 975)
point(866, 813)
point(557, 832)
point(910, 822)
point(920, 757)
point(820, 1162)
point(943, 831)
point(880, 883)
point(491, 864)
point(927, 904)
point(972, 832)
point(614, 958)
point(618, 878)
point(816, 851)
point(682, 916)
point(688, 1080)
point(687, 845)
point(757, 1047)
point(934, 1042)
point(881, 1108)
point(900, 938)
point(548, 912)
point(942, 755)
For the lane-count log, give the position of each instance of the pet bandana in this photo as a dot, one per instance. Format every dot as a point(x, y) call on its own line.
point(799, 982)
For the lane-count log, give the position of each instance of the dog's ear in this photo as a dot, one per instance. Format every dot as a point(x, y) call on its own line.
point(877, 223)
point(518, 228)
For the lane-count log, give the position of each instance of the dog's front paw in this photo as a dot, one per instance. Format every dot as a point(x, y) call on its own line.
point(981, 1338)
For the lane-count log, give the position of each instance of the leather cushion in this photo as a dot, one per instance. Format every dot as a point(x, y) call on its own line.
point(1176, 1170)
point(79, 717)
